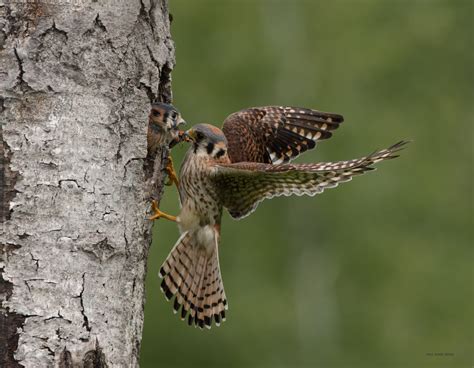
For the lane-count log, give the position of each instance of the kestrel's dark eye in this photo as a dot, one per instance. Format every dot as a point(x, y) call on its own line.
point(210, 148)
point(156, 113)
point(220, 153)
point(174, 115)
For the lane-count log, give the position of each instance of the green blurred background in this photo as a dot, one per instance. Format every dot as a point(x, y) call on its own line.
point(377, 272)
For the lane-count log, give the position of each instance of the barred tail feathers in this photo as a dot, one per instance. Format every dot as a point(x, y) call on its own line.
point(191, 274)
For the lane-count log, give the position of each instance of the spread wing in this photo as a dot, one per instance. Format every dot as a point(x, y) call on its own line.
point(242, 186)
point(276, 134)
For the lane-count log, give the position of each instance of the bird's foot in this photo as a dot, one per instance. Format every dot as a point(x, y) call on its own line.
point(159, 214)
point(172, 177)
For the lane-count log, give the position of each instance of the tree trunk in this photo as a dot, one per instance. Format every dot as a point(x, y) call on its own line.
point(76, 82)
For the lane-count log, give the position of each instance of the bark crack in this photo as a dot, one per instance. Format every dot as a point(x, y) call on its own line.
point(125, 167)
point(148, 91)
point(157, 64)
point(59, 316)
point(151, 17)
point(81, 299)
point(55, 29)
point(127, 248)
point(24, 87)
point(50, 352)
point(28, 286)
point(143, 13)
point(118, 154)
point(97, 26)
point(36, 260)
point(98, 23)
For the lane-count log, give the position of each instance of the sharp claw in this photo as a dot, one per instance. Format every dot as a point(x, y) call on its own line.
point(159, 214)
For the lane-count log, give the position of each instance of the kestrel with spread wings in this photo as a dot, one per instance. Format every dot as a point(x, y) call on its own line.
point(235, 169)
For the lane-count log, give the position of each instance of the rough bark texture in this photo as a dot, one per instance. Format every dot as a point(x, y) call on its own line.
point(76, 82)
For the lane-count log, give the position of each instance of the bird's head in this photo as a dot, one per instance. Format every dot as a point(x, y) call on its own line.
point(164, 117)
point(208, 140)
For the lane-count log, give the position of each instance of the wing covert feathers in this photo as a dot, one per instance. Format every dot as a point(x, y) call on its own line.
point(276, 134)
point(191, 274)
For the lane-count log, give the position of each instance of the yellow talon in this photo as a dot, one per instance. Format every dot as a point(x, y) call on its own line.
point(158, 214)
point(172, 177)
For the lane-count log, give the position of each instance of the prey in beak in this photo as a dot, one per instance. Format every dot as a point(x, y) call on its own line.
point(189, 136)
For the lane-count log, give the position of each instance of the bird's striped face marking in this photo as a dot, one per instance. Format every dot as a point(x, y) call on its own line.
point(164, 117)
point(208, 140)
point(216, 150)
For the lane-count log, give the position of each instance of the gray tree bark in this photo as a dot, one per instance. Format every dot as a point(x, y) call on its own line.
point(76, 81)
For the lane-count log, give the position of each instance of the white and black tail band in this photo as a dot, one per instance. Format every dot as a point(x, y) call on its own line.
point(191, 275)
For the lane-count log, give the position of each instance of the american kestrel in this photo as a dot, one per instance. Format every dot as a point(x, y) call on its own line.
point(236, 168)
point(164, 123)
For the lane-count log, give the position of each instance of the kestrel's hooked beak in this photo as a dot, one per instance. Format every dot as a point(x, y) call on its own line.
point(181, 121)
point(189, 135)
